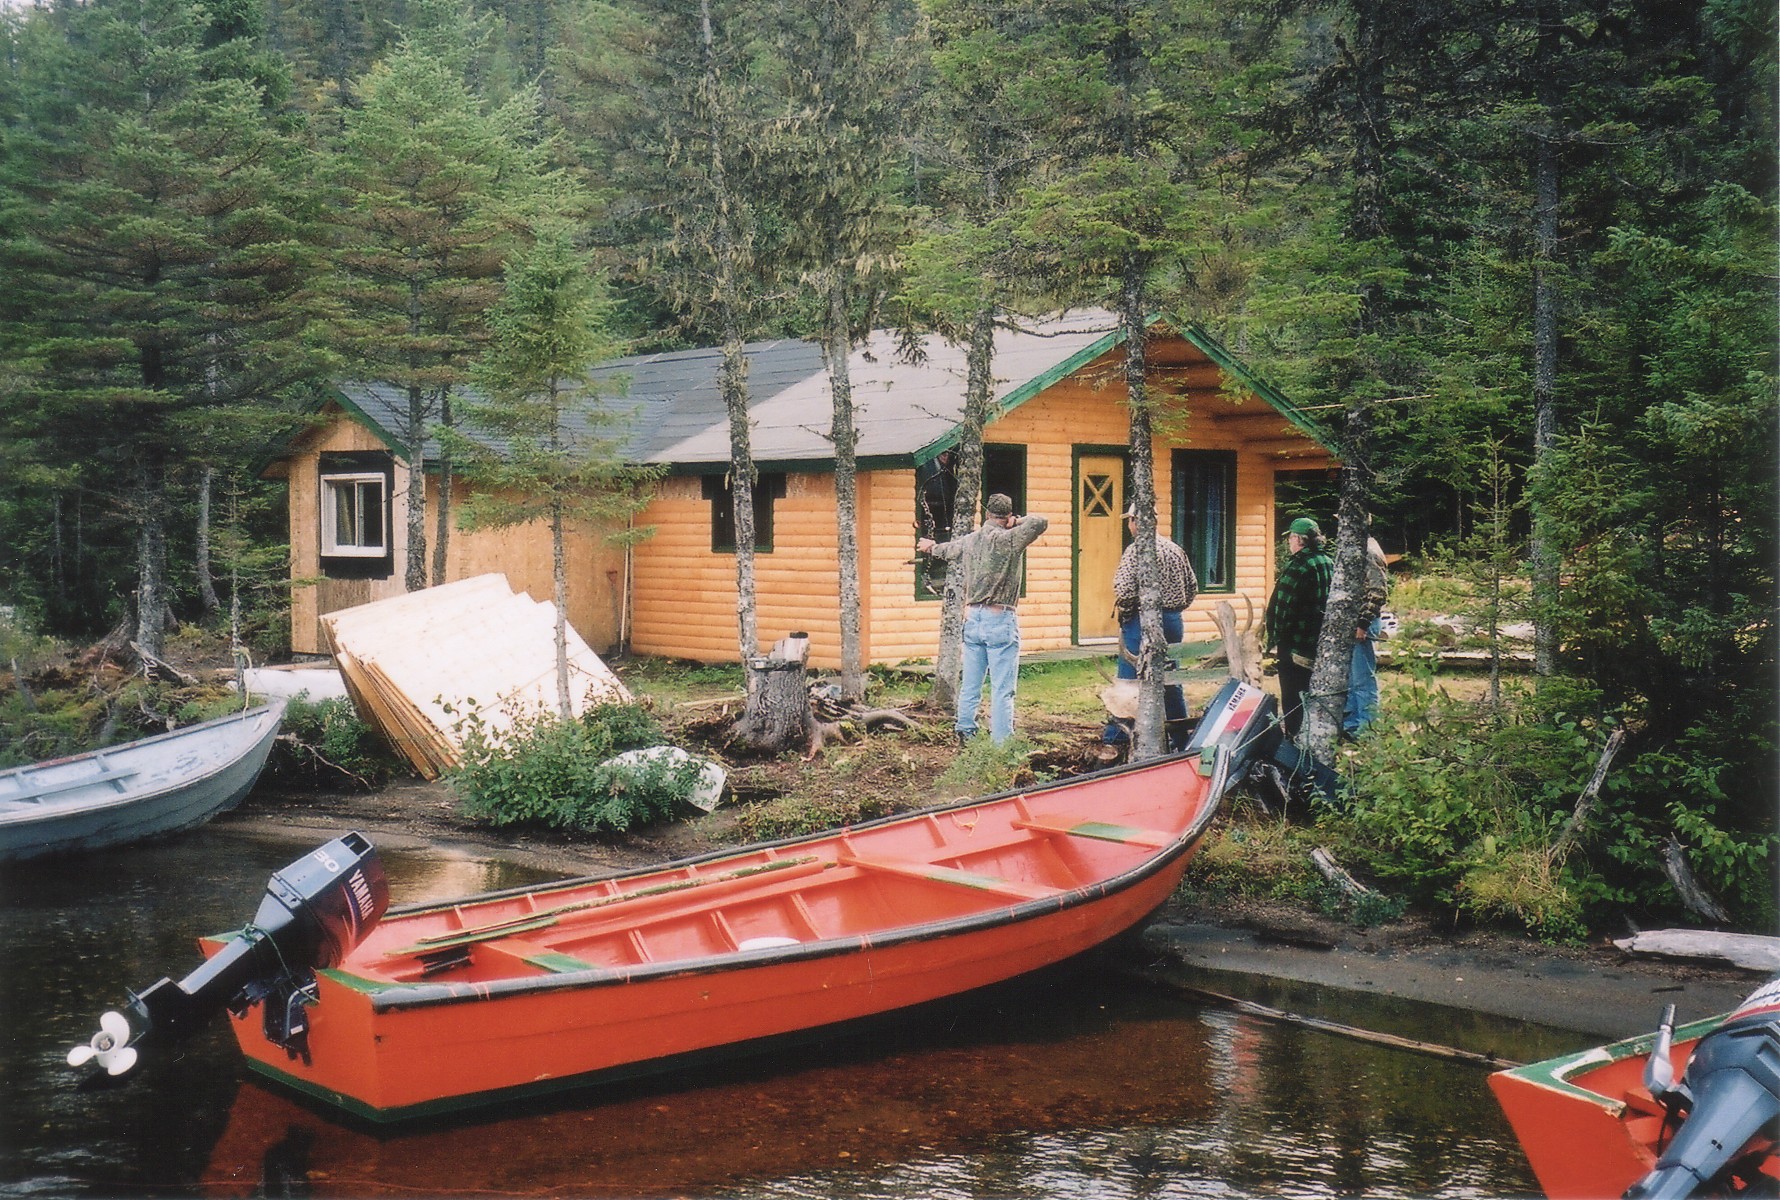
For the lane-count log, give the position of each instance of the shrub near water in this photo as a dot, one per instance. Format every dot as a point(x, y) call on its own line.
point(558, 773)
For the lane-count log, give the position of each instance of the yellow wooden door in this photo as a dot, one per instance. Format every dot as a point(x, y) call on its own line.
point(1100, 538)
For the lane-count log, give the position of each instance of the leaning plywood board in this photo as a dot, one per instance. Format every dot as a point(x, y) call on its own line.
point(426, 660)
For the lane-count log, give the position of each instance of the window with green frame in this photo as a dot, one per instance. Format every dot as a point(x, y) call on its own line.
point(768, 487)
point(1205, 515)
point(936, 490)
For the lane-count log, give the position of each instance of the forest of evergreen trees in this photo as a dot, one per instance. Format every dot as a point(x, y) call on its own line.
point(1520, 254)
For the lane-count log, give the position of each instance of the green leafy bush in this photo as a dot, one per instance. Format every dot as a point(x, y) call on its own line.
point(1462, 805)
point(327, 741)
point(558, 774)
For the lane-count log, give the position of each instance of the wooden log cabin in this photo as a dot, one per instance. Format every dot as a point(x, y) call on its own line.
point(1058, 445)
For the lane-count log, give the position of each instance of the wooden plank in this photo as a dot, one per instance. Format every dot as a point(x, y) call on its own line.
point(934, 873)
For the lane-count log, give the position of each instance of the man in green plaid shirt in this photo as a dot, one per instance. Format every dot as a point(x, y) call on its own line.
point(1295, 617)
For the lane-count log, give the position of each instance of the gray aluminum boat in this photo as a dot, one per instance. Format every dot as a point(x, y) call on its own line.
point(136, 790)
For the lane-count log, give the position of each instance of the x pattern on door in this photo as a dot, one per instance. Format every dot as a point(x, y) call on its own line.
point(1097, 496)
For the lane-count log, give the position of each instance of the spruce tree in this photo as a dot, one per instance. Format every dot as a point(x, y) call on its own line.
point(160, 225)
point(431, 185)
point(555, 446)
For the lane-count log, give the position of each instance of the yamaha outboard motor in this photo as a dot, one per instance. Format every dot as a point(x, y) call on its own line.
point(314, 912)
point(1730, 1092)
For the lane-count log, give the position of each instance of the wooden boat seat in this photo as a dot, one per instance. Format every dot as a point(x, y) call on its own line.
point(108, 775)
point(1100, 831)
point(531, 954)
point(934, 873)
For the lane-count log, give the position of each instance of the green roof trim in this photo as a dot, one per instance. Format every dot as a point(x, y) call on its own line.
point(396, 445)
point(1215, 351)
point(1193, 334)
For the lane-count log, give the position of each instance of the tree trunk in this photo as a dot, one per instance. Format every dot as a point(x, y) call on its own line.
point(979, 387)
point(1325, 703)
point(151, 564)
point(837, 345)
point(201, 558)
point(1545, 353)
point(559, 573)
point(1150, 737)
point(414, 576)
point(1368, 117)
point(442, 524)
point(732, 375)
point(777, 716)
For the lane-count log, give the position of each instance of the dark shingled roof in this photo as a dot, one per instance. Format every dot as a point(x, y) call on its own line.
point(666, 409)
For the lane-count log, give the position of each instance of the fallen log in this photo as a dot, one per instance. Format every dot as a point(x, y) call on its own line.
point(1696, 899)
point(1493, 1062)
point(1585, 803)
point(1747, 950)
point(1337, 875)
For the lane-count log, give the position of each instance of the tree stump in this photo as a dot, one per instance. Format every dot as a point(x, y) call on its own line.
point(777, 716)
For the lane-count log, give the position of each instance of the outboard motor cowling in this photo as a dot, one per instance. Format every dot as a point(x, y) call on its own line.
point(314, 912)
point(1731, 1092)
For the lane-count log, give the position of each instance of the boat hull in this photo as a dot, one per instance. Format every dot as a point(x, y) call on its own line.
point(400, 1064)
point(391, 1042)
point(485, 998)
point(128, 793)
point(1586, 1121)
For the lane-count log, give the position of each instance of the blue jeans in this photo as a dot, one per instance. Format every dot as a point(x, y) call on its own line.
point(992, 648)
point(1174, 701)
point(1362, 683)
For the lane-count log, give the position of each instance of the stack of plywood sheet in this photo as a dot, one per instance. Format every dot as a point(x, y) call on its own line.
point(419, 665)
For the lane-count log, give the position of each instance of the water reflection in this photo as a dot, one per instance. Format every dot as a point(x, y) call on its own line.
point(1068, 1086)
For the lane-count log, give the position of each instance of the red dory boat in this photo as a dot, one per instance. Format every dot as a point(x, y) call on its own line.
point(1678, 1113)
point(445, 1005)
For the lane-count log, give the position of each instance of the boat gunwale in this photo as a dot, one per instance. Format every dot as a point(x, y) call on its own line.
point(1557, 1074)
point(401, 911)
point(22, 810)
point(397, 997)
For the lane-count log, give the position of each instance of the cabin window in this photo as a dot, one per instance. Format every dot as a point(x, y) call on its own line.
point(356, 514)
point(769, 486)
point(354, 518)
point(1205, 515)
point(936, 493)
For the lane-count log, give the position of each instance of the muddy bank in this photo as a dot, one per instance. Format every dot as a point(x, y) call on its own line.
point(1597, 991)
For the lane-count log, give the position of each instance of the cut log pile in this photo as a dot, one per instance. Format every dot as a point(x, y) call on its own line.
point(418, 665)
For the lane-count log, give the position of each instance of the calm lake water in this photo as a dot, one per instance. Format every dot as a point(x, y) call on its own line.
point(1074, 1085)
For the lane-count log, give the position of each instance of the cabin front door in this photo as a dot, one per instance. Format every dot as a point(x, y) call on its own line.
point(1099, 540)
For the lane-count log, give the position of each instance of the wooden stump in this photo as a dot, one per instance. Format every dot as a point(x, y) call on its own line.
point(777, 716)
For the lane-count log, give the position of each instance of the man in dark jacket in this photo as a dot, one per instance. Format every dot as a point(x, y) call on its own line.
point(1295, 617)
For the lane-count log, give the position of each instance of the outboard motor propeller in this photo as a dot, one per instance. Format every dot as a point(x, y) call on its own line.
point(314, 912)
point(1731, 1092)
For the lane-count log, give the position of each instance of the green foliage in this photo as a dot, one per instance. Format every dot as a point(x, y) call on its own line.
point(785, 818)
point(1460, 806)
point(329, 740)
point(983, 768)
point(555, 773)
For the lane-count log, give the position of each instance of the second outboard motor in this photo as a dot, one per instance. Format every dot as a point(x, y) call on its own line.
point(314, 912)
point(1731, 1091)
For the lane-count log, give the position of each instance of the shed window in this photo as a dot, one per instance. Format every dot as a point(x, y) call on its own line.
point(768, 487)
point(1205, 515)
point(355, 515)
point(936, 493)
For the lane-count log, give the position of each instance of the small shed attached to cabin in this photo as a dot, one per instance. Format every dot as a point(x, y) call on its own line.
point(1058, 445)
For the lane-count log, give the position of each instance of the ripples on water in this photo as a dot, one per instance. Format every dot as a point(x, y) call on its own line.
point(1067, 1087)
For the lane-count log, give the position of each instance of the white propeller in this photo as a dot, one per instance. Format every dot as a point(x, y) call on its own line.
point(109, 1046)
